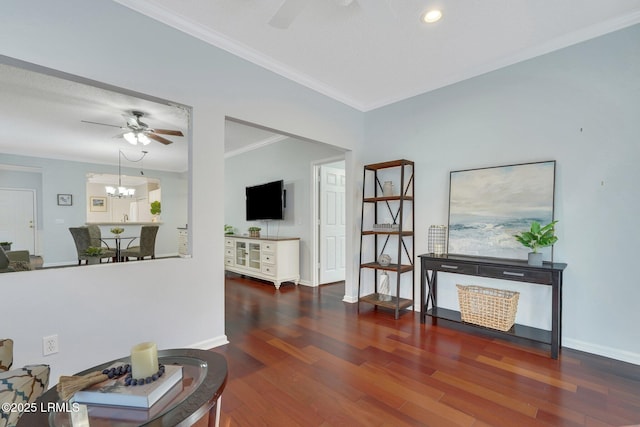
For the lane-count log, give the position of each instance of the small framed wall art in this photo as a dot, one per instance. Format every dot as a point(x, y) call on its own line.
point(65, 200)
point(98, 204)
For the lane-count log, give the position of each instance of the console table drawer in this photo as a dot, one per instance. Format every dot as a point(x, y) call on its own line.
point(452, 267)
point(516, 274)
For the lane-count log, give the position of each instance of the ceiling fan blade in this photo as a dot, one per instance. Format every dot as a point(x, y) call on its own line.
point(158, 138)
point(101, 124)
point(380, 11)
point(287, 13)
point(168, 132)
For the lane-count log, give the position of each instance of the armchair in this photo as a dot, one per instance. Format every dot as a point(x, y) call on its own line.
point(20, 386)
point(14, 261)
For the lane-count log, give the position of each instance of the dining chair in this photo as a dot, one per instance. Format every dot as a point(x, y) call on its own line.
point(83, 239)
point(96, 240)
point(147, 245)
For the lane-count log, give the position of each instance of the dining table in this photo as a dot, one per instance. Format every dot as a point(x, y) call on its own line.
point(118, 244)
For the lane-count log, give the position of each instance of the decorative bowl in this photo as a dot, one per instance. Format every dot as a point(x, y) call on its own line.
point(384, 260)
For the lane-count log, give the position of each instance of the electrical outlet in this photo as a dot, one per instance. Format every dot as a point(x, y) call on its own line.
point(49, 345)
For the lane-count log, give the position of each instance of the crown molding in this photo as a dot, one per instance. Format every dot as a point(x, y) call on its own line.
point(170, 18)
point(255, 146)
point(576, 37)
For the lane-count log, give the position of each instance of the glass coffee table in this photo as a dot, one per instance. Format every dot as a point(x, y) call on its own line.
point(204, 379)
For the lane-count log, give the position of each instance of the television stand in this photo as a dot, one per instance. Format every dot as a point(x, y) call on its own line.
point(275, 259)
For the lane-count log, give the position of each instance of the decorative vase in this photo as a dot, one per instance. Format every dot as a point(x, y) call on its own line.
point(93, 260)
point(387, 189)
point(254, 233)
point(535, 259)
point(384, 260)
point(383, 287)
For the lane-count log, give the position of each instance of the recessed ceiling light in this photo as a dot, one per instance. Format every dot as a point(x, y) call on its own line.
point(432, 16)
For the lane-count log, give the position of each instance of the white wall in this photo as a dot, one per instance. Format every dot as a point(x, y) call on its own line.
point(290, 160)
point(580, 107)
point(175, 302)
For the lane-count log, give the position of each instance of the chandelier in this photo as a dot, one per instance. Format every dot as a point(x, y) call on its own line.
point(120, 191)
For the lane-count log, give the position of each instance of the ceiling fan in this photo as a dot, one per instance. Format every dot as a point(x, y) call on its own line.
point(136, 131)
point(379, 10)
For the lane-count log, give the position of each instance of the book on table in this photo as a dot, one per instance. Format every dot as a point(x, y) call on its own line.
point(131, 413)
point(115, 392)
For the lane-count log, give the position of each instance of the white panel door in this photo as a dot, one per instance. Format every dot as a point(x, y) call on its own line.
point(332, 224)
point(17, 219)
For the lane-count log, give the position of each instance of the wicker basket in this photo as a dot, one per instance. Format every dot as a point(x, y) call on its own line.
point(492, 308)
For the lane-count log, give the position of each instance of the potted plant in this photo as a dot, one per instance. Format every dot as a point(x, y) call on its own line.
point(117, 231)
point(94, 253)
point(6, 245)
point(537, 237)
point(254, 231)
point(155, 209)
point(228, 229)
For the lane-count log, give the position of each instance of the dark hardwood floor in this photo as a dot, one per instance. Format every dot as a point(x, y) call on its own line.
point(302, 357)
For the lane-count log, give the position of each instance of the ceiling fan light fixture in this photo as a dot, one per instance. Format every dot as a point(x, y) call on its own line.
point(144, 139)
point(131, 138)
point(432, 16)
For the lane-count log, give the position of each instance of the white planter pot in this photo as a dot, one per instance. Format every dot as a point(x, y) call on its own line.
point(535, 259)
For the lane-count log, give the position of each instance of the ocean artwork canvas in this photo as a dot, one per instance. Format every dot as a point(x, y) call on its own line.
point(488, 206)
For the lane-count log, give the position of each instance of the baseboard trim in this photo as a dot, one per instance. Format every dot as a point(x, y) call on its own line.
point(211, 343)
point(349, 299)
point(613, 353)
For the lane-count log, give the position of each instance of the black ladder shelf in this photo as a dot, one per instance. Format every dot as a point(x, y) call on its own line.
point(374, 240)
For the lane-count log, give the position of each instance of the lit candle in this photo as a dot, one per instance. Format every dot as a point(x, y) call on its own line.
point(144, 360)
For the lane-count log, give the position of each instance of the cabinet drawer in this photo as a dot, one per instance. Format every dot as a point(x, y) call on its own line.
point(228, 242)
point(269, 258)
point(229, 252)
point(453, 267)
point(228, 261)
point(269, 269)
point(268, 247)
point(516, 274)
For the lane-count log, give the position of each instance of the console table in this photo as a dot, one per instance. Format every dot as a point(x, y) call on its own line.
point(549, 274)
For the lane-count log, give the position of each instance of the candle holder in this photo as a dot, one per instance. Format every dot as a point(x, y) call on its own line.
point(437, 239)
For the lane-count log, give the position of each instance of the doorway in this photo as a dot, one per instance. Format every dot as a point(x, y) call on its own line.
point(17, 218)
point(330, 219)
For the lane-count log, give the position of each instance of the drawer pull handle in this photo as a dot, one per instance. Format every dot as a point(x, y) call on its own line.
point(451, 267)
point(511, 273)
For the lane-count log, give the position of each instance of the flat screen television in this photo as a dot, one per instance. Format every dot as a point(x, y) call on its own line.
point(265, 201)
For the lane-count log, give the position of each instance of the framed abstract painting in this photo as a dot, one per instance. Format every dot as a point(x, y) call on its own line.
point(488, 206)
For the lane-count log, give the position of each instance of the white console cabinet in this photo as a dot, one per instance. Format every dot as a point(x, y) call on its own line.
point(276, 259)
